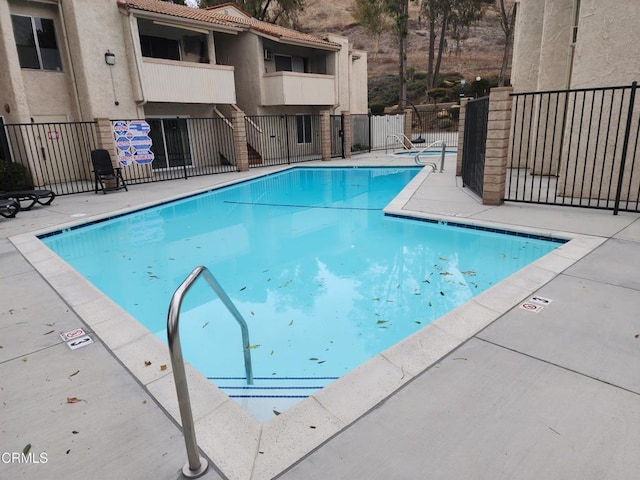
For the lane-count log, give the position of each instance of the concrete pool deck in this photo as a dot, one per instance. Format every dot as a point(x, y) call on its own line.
point(553, 394)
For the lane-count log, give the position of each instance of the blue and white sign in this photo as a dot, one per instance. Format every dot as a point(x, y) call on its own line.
point(133, 143)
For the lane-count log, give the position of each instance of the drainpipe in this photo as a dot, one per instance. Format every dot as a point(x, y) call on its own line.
point(133, 29)
point(65, 38)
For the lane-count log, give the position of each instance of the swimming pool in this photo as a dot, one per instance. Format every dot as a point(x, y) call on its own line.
point(308, 251)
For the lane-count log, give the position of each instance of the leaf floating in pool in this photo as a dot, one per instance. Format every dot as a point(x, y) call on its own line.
point(264, 271)
point(471, 273)
point(418, 322)
point(444, 259)
point(503, 256)
point(291, 323)
point(381, 321)
point(430, 304)
point(445, 274)
point(383, 326)
point(271, 352)
point(375, 299)
point(243, 288)
point(321, 361)
point(269, 279)
point(441, 293)
point(313, 359)
point(205, 324)
point(425, 281)
point(251, 347)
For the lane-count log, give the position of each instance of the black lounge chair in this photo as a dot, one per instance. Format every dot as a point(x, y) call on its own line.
point(9, 207)
point(28, 198)
point(104, 171)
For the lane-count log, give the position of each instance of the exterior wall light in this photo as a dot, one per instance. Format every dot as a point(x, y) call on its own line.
point(110, 58)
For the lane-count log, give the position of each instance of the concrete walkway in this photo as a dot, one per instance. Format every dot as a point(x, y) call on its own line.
point(548, 395)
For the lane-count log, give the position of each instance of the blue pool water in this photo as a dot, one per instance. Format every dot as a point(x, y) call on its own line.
point(324, 279)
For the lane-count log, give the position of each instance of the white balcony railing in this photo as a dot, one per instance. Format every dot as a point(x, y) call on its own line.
point(293, 88)
point(184, 82)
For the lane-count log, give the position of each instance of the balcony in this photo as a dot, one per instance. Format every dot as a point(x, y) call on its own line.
point(293, 88)
point(184, 82)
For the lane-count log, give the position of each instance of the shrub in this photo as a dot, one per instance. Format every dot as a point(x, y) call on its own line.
point(13, 176)
point(377, 109)
point(445, 123)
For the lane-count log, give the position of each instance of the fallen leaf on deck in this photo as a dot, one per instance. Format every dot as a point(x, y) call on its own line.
point(147, 363)
point(73, 399)
point(163, 367)
point(74, 373)
point(47, 333)
point(26, 449)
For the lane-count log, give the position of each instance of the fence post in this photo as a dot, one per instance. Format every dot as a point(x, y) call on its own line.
point(497, 147)
point(104, 138)
point(325, 135)
point(240, 140)
point(408, 126)
point(625, 146)
point(461, 117)
point(346, 134)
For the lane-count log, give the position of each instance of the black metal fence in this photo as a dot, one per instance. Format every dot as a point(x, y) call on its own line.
point(336, 127)
point(437, 124)
point(360, 133)
point(475, 140)
point(575, 148)
point(55, 156)
point(183, 148)
point(283, 139)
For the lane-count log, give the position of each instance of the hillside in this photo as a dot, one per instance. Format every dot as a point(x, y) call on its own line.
point(480, 54)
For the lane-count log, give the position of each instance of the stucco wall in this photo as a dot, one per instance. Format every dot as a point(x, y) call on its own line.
point(101, 22)
point(526, 45)
point(607, 51)
point(359, 101)
point(244, 52)
point(45, 92)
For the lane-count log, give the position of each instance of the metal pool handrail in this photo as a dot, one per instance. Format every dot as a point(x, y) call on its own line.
point(401, 138)
point(434, 144)
point(196, 465)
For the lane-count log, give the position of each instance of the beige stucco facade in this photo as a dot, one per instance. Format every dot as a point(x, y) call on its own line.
point(573, 44)
point(166, 61)
point(236, 72)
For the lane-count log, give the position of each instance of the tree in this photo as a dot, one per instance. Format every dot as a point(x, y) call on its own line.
point(398, 10)
point(282, 12)
point(444, 16)
point(507, 22)
point(371, 15)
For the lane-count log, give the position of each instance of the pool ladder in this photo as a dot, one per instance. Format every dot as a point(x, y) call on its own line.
point(197, 466)
point(402, 139)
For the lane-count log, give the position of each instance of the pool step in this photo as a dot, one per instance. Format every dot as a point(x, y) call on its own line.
point(270, 396)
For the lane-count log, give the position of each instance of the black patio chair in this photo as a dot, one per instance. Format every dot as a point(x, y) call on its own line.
point(28, 198)
point(108, 177)
point(9, 207)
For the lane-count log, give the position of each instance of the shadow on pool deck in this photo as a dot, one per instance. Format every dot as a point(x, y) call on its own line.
point(541, 395)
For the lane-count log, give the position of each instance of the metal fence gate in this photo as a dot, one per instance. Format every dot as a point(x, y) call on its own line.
point(336, 126)
point(475, 140)
point(576, 148)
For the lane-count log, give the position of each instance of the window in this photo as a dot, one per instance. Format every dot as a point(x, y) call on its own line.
point(170, 137)
point(303, 126)
point(36, 43)
point(158, 47)
point(287, 63)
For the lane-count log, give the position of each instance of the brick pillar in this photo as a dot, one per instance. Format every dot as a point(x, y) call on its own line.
point(408, 125)
point(240, 140)
point(346, 132)
point(461, 116)
point(105, 140)
point(497, 148)
point(325, 135)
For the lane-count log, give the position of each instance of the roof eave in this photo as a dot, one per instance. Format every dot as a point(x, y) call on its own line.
point(182, 22)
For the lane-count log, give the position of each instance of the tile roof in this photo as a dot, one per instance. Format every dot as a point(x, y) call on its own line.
point(217, 18)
